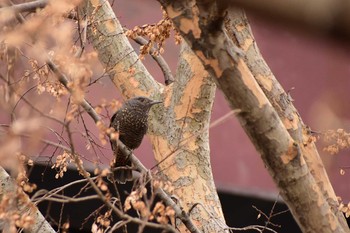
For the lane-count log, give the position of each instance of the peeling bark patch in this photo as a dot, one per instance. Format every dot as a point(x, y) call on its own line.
point(291, 153)
point(181, 161)
point(247, 43)
point(319, 197)
point(333, 223)
point(161, 148)
point(290, 124)
point(168, 95)
point(129, 85)
point(95, 3)
point(110, 26)
point(250, 83)
point(204, 173)
point(183, 181)
point(134, 82)
point(240, 27)
point(190, 142)
point(266, 82)
point(213, 63)
point(192, 89)
point(188, 25)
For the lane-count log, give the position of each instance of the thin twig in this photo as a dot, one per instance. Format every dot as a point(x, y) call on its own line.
point(65, 199)
point(118, 225)
point(62, 79)
point(33, 107)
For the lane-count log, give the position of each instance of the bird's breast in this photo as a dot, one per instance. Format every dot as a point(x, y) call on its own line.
point(131, 131)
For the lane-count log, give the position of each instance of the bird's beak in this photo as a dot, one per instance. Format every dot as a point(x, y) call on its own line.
point(156, 102)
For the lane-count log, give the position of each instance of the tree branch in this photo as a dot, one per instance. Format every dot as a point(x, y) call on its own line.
point(64, 81)
point(168, 77)
point(115, 51)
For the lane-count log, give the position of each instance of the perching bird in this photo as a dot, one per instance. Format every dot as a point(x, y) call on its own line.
point(130, 121)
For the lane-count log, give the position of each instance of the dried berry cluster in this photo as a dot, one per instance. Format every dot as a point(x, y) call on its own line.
point(22, 178)
point(113, 105)
point(61, 164)
point(102, 223)
point(100, 181)
point(337, 140)
point(345, 208)
point(45, 83)
point(156, 33)
point(161, 213)
point(103, 131)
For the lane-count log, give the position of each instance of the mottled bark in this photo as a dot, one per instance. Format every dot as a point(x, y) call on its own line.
point(240, 32)
point(186, 143)
point(179, 129)
point(115, 52)
point(200, 23)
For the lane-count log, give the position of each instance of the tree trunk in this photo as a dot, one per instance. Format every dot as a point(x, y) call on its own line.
point(185, 146)
point(239, 31)
point(283, 156)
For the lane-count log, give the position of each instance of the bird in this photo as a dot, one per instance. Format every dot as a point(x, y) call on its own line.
point(131, 122)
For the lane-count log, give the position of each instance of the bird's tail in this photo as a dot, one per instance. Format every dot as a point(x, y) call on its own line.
point(122, 175)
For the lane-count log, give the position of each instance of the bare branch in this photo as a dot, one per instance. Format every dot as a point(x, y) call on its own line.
point(115, 52)
point(62, 78)
point(118, 225)
point(21, 97)
point(65, 199)
point(168, 77)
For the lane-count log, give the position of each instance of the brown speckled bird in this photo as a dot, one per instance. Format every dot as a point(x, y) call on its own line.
point(131, 123)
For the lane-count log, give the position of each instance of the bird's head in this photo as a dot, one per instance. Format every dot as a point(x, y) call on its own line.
point(142, 102)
